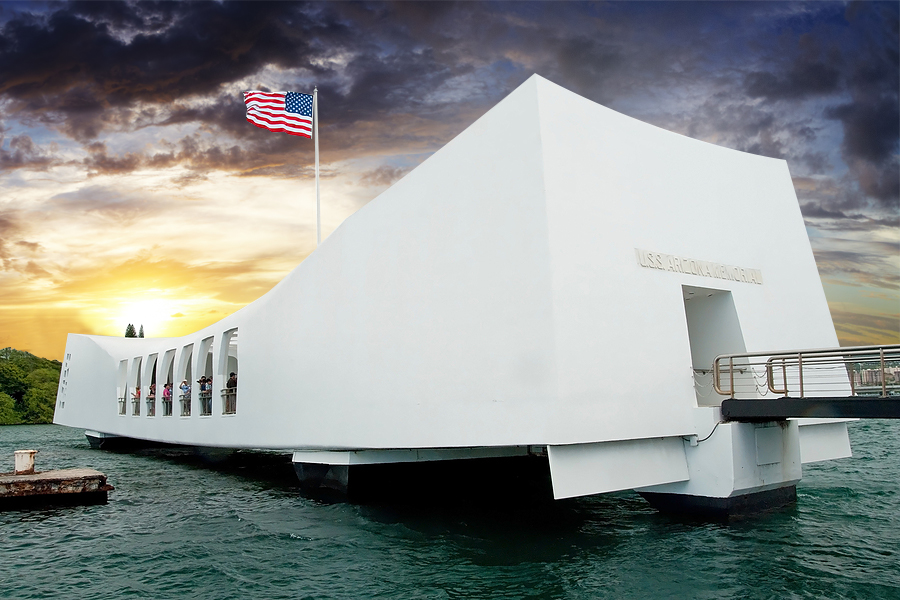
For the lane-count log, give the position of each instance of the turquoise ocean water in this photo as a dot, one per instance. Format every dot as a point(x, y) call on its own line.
point(178, 527)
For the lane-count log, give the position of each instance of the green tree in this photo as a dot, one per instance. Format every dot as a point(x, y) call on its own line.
point(129, 331)
point(39, 404)
point(40, 399)
point(13, 380)
point(28, 386)
point(8, 414)
point(141, 332)
point(43, 376)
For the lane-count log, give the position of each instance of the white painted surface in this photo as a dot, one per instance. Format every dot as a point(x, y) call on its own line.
point(769, 445)
point(24, 461)
point(727, 463)
point(584, 469)
point(825, 441)
point(372, 457)
point(491, 298)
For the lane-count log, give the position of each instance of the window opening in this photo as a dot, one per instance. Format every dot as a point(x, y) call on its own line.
point(206, 380)
point(122, 386)
point(136, 394)
point(229, 392)
point(151, 390)
point(168, 391)
point(185, 387)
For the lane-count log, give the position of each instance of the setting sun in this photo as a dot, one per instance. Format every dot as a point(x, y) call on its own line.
point(153, 313)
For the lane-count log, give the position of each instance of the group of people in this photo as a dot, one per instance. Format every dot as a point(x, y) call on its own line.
point(206, 384)
point(167, 391)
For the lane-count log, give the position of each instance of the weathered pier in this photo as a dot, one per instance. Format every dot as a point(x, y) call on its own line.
point(25, 488)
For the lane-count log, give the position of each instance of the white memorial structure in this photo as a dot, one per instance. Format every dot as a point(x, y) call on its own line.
point(556, 280)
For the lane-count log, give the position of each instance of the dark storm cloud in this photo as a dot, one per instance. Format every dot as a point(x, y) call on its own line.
point(870, 146)
point(407, 77)
point(864, 67)
point(838, 220)
point(871, 121)
point(22, 152)
point(95, 56)
point(814, 70)
point(191, 49)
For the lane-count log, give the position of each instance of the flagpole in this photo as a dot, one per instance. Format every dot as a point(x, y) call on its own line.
point(316, 136)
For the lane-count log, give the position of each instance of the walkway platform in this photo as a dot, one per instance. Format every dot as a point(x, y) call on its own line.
point(776, 409)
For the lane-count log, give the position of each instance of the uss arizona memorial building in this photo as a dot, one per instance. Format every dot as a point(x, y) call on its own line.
point(559, 276)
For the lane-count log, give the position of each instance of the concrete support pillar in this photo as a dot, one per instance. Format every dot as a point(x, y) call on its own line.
point(740, 468)
point(316, 476)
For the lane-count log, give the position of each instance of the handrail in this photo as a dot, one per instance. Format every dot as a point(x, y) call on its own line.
point(814, 372)
point(229, 400)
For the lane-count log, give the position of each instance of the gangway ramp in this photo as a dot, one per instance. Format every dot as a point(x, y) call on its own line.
point(855, 382)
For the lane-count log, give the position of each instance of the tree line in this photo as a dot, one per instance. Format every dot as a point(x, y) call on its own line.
point(28, 387)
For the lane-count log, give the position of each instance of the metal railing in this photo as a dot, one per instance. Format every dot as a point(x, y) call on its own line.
point(205, 403)
point(122, 405)
point(151, 406)
point(229, 401)
point(185, 404)
point(167, 406)
point(853, 371)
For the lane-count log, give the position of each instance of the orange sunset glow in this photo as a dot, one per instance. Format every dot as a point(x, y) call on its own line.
point(133, 189)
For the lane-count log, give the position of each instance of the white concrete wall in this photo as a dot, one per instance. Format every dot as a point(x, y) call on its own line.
point(492, 297)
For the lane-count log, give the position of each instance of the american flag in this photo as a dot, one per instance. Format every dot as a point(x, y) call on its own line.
point(290, 112)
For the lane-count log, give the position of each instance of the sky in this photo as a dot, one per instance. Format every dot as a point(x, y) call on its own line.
point(133, 190)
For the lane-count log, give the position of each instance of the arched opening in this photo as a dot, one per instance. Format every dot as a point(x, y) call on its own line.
point(228, 370)
point(122, 386)
point(136, 394)
point(186, 377)
point(168, 367)
point(206, 378)
point(150, 374)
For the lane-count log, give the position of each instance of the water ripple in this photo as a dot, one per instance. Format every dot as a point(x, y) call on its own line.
point(179, 528)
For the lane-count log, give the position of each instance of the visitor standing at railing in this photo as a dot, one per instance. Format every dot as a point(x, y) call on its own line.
point(185, 388)
point(230, 395)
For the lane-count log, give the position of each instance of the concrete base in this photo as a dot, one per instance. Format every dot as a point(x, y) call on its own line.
point(105, 441)
point(61, 487)
point(35, 502)
point(332, 477)
point(733, 507)
point(492, 479)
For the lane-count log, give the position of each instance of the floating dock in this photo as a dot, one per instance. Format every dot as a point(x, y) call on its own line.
point(24, 488)
point(61, 487)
